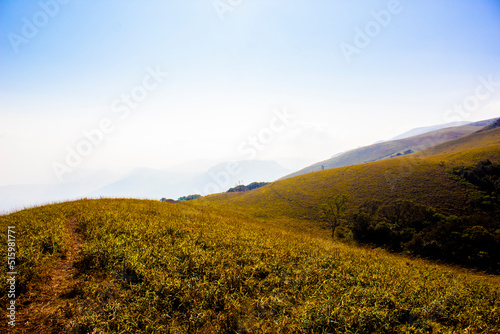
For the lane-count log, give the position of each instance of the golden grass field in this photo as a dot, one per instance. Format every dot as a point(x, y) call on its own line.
point(153, 267)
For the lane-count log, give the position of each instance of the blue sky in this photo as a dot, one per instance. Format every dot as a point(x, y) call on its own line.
point(227, 76)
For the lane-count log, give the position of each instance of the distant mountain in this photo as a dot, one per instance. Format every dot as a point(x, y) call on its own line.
point(389, 149)
point(426, 129)
point(146, 183)
point(156, 184)
point(485, 122)
point(142, 183)
point(493, 125)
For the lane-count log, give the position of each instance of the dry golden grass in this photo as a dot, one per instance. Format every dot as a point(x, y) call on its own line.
point(153, 267)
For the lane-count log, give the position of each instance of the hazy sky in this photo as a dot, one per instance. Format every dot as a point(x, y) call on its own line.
point(160, 83)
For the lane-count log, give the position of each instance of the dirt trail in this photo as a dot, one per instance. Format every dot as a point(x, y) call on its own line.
point(44, 305)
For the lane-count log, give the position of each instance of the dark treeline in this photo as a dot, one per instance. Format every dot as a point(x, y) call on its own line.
point(409, 227)
point(251, 186)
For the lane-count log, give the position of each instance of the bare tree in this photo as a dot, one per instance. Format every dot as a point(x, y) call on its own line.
point(334, 211)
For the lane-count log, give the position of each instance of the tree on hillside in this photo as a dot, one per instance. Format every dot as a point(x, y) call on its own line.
point(333, 212)
point(405, 213)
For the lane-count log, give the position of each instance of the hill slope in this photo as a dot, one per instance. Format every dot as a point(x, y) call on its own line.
point(441, 203)
point(492, 125)
point(390, 149)
point(420, 176)
point(146, 266)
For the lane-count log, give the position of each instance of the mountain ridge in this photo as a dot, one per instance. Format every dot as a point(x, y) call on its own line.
point(389, 149)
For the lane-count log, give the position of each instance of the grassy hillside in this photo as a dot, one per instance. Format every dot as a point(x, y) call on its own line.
point(479, 145)
point(421, 176)
point(390, 149)
point(131, 266)
point(441, 203)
